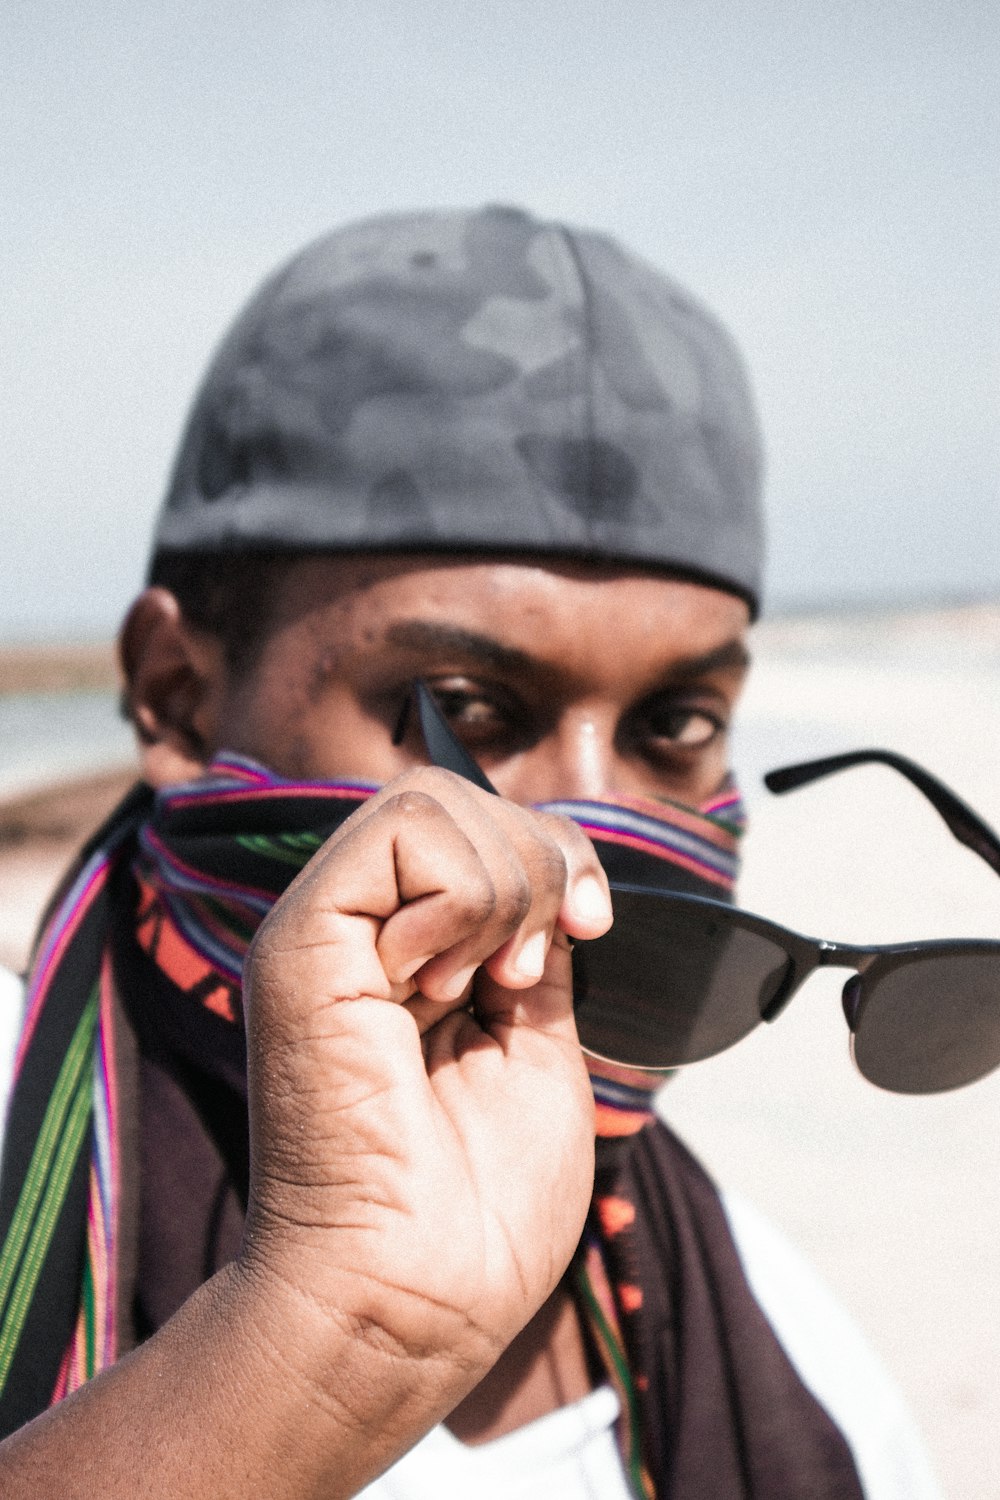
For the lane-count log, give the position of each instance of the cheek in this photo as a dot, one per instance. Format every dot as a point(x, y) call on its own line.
point(305, 740)
point(268, 718)
point(712, 773)
point(698, 781)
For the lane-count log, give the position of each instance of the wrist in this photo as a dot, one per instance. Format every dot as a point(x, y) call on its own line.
point(338, 1363)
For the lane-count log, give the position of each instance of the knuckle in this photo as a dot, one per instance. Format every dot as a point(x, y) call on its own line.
point(549, 853)
point(412, 803)
point(568, 836)
point(553, 870)
point(478, 896)
point(515, 903)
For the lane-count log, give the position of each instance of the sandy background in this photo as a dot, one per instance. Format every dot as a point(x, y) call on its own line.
point(896, 1201)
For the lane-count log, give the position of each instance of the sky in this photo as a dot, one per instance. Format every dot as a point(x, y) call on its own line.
point(823, 175)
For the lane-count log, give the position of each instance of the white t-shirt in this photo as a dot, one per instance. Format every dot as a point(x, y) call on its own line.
point(571, 1454)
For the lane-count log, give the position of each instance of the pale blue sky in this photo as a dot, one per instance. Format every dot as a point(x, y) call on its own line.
point(824, 175)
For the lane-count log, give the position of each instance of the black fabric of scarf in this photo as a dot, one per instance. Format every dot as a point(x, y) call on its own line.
point(723, 1412)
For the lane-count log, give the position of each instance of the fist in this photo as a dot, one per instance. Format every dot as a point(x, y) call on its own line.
point(421, 1119)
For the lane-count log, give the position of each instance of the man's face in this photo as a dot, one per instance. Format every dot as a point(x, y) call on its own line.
point(562, 679)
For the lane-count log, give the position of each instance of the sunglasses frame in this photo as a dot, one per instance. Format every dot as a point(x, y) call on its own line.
point(870, 963)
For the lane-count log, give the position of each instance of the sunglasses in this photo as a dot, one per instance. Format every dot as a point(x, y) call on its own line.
point(680, 978)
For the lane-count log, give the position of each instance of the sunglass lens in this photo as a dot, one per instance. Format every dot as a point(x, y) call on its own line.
point(672, 982)
point(930, 1024)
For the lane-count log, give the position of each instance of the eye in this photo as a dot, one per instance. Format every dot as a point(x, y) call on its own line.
point(682, 726)
point(482, 716)
point(463, 707)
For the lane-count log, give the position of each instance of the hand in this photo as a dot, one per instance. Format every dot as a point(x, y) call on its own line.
point(421, 1163)
point(421, 1119)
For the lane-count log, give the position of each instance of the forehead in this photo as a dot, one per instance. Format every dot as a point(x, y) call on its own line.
point(546, 611)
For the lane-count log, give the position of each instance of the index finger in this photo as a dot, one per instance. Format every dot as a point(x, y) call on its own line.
point(586, 908)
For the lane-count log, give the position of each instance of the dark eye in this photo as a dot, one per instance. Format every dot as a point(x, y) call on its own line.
point(682, 725)
point(479, 716)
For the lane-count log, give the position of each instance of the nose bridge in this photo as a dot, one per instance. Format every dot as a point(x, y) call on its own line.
point(577, 758)
point(586, 752)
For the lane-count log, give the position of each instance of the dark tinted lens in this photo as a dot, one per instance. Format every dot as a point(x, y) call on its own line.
point(930, 1024)
point(672, 982)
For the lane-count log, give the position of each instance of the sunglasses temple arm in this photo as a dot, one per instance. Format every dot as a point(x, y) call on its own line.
point(966, 825)
point(443, 747)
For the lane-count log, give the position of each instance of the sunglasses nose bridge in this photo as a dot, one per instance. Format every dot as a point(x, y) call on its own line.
point(842, 956)
point(851, 1000)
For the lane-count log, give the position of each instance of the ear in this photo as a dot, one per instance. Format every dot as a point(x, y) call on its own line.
point(175, 677)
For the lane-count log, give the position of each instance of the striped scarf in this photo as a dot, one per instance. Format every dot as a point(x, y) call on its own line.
point(195, 869)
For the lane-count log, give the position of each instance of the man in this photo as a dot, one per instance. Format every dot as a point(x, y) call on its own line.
point(510, 461)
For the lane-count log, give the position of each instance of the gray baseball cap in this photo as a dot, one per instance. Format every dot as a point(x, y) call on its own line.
point(478, 381)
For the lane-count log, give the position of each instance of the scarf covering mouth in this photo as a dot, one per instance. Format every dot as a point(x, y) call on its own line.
point(133, 1036)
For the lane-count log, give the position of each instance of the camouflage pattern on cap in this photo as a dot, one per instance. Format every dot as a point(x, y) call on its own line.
point(482, 382)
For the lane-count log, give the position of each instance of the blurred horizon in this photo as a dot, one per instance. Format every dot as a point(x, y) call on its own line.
point(852, 610)
point(823, 178)
point(54, 652)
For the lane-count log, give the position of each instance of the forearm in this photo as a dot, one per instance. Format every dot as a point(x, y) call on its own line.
point(240, 1393)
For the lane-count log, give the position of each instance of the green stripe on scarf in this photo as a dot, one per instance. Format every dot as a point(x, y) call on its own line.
point(88, 1306)
point(293, 849)
point(612, 1353)
point(44, 1192)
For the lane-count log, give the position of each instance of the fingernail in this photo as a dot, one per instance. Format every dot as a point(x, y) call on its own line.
point(590, 900)
point(530, 961)
point(411, 966)
point(453, 988)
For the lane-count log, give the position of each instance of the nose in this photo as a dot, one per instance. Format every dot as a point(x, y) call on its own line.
point(577, 758)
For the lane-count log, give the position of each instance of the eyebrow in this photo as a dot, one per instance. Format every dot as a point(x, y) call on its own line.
point(431, 635)
point(731, 656)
